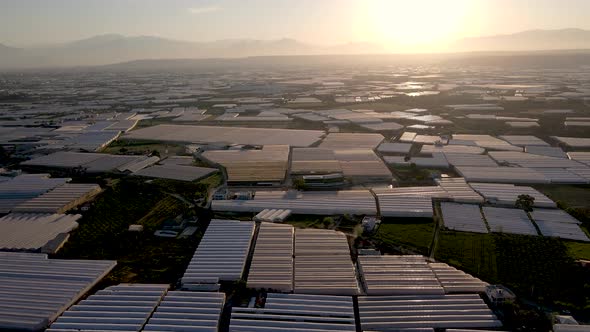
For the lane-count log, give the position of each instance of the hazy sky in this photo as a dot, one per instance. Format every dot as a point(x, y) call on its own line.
point(411, 23)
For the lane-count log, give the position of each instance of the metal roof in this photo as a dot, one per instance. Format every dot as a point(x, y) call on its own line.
point(308, 202)
point(503, 220)
point(459, 191)
point(524, 140)
point(187, 312)
point(523, 159)
point(60, 199)
point(220, 134)
point(272, 262)
point(125, 307)
point(502, 174)
point(463, 217)
point(558, 223)
point(394, 313)
point(33, 231)
point(507, 194)
point(176, 172)
point(35, 290)
point(222, 253)
point(296, 313)
point(24, 187)
point(268, 164)
point(323, 264)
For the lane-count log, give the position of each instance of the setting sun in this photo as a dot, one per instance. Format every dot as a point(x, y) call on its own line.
point(416, 25)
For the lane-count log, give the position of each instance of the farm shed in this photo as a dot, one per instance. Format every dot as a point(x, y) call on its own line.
point(181, 311)
point(272, 262)
point(457, 190)
point(36, 290)
point(227, 135)
point(394, 313)
point(33, 232)
point(125, 307)
point(269, 164)
point(358, 202)
point(524, 140)
point(222, 253)
point(314, 161)
point(507, 194)
point(395, 148)
point(573, 142)
point(463, 217)
point(91, 162)
point(466, 159)
point(296, 313)
point(502, 175)
point(24, 187)
point(323, 264)
point(342, 141)
point(176, 172)
point(504, 220)
point(462, 149)
point(523, 159)
point(60, 199)
point(413, 275)
point(558, 223)
point(549, 151)
point(487, 142)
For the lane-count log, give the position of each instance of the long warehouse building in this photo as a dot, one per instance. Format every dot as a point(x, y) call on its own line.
point(125, 307)
point(323, 264)
point(35, 290)
point(296, 313)
point(407, 312)
point(272, 262)
point(222, 253)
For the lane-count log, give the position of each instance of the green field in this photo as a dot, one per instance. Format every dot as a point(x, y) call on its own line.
point(412, 234)
point(139, 147)
point(571, 196)
point(309, 221)
point(579, 250)
point(471, 252)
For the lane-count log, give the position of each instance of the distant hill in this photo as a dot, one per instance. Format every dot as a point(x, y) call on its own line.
point(114, 48)
point(565, 39)
point(535, 59)
point(4, 48)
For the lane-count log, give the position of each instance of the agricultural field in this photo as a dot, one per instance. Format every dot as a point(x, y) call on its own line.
point(579, 250)
point(472, 252)
point(537, 268)
point(142, 257)
point(310, 221)
point(162, 211)
point(189, 190)
point(414, 176)
point(412, 234)
point(541, 268)
point(139, 147)
point(569, 196)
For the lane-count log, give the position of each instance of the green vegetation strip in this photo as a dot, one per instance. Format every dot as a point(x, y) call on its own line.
point(412, 234)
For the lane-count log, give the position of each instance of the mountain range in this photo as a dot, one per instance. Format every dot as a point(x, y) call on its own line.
point(114, 48)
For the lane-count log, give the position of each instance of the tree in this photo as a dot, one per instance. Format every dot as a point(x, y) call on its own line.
point(328, 221)
point(299, 184)
point(525, 202)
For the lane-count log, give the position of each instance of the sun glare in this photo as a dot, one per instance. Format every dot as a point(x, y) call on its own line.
point(417, 24)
